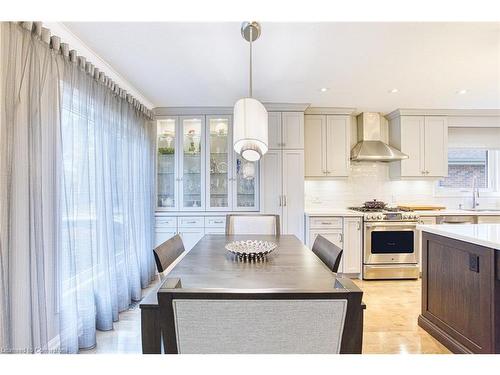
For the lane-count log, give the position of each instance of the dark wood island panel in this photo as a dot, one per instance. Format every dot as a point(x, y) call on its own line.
point(461, 294)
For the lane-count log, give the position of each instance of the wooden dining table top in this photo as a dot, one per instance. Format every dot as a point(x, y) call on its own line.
point(292, 265)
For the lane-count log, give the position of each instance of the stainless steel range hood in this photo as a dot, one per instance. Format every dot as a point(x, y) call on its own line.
point(370, 146)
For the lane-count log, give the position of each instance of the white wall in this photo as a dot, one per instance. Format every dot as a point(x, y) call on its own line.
point(371, 180)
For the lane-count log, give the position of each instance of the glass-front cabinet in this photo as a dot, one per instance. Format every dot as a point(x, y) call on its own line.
point(191, 163)
point(245, 181)
point(197, 169)
point(219, 160)
point(166, 164)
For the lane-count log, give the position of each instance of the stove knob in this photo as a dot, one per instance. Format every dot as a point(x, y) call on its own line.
point(405, 216)
point(380, 216)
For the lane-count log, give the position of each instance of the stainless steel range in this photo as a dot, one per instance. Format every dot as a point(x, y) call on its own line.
point(391, 242)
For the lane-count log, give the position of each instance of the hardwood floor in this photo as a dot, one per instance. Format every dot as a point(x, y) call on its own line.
point(390, 325)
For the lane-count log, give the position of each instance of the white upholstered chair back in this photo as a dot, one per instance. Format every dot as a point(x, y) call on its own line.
point(259, 326)
point(253, 224)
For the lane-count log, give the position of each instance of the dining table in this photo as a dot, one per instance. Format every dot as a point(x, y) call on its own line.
point(209, 266)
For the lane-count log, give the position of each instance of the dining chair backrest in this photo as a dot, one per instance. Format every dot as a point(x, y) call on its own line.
point(166, 253)
point(225, 322)
point(253, 224)
point(329, 253)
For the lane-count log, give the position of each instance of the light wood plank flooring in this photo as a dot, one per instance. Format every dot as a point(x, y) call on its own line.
point(390, 323)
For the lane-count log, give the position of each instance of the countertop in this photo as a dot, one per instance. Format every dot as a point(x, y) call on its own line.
point(450, 212)
point(334, 212)
point(487, 235)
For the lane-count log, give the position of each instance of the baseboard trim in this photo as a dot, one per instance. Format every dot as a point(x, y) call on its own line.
point(444, 338)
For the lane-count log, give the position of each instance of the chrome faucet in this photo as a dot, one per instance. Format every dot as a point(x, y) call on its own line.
point(475, 193)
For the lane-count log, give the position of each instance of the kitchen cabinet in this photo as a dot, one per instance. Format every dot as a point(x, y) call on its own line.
point(486, 219)
point(327, 145)
point(286, 130)
point(282, 174)
point(352, 245)
point(191, 161)
point(197, 169)
point(425, 140)
point(332, 235)
point(191, 236)
point(427, 220)
point(190, 228)
point(345, 232)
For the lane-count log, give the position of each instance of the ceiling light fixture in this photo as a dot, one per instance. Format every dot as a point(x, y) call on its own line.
point(462, 92)
point(393, 91)
point(250, 116)
point(324, 89)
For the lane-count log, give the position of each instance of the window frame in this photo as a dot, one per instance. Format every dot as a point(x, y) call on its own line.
point(493, 189)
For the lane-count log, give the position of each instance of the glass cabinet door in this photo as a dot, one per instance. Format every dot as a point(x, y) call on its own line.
point(219, 151)
point(166, 181)
point(246, 181)
point(192, 162)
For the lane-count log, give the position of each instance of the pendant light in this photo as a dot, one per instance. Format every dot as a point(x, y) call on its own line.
point(250, 116)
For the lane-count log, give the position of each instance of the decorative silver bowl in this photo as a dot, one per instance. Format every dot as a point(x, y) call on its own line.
point(251, 249)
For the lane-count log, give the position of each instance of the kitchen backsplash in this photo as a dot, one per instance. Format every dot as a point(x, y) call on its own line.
point(371, 180)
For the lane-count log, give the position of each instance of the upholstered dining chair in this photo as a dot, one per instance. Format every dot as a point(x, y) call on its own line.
point(329, 253)
point(167, 253)
point(265, 224)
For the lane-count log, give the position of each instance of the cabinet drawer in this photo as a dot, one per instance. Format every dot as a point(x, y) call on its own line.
point(166, 222)
point(325, 222)
point(191, 222)
point(215, 222)
point(215, 230)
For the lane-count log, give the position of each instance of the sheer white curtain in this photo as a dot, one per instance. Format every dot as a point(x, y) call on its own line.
point(76, 233)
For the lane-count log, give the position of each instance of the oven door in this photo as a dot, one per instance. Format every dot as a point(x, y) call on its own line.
point(391, 243)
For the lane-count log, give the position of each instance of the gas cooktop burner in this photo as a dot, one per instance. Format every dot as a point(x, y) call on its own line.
point(386, 214)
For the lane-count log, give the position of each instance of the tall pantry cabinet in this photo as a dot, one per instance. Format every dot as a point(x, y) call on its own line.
point(282, 172)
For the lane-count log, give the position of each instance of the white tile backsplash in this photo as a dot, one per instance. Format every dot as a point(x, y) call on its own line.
point(371, 180)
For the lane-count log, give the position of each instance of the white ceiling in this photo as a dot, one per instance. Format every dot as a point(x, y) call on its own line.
point(206, 64)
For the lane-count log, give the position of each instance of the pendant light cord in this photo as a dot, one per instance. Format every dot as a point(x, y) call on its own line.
point(251, 39)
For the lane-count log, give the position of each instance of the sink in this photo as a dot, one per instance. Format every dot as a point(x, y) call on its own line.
point(481, 209)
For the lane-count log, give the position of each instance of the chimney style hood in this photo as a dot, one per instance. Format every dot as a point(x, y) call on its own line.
point(370, 146)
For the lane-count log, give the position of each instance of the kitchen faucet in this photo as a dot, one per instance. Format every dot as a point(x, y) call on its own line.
point(475, 193)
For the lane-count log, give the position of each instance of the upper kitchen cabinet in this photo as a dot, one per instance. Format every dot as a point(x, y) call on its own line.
point(425, 140)
point(166, 164)
point(192, 162)
point(197, 169)
point(219, 159)
point(286, 130)
point(327, 145)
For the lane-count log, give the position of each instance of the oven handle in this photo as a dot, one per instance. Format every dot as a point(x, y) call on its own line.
point(386, 225)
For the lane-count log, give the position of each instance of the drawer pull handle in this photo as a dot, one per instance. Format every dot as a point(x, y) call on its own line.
point(326, 222)
point(218, 222)
point(191, 222)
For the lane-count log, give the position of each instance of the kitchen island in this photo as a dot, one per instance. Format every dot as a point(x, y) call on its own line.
point(461, 286)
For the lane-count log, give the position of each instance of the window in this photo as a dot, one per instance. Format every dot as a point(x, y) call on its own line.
point(468, 167)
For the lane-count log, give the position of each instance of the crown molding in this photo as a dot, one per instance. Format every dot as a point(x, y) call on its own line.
point(191, 111)
point(331, 111)
point(443, 112)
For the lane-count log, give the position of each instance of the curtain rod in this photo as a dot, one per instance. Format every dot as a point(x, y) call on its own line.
point(54, 42)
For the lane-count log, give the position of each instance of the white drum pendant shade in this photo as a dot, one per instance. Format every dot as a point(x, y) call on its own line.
point(250, 129)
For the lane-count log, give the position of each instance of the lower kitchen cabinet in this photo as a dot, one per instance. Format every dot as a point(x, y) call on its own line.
point(353, 245)
point(163, 234)
point(190, 228)
point(191, 236)
point(332, 235)
point(345, 232)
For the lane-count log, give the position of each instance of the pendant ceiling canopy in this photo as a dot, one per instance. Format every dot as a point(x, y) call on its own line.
point(250, 117)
